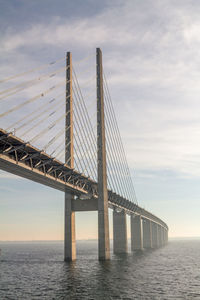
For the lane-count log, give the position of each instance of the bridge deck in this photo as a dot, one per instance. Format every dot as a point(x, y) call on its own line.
point(25, 160)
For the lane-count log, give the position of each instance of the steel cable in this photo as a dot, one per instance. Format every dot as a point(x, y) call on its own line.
point(32, 99)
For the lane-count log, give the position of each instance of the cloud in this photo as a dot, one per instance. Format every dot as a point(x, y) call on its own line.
point(152, 61)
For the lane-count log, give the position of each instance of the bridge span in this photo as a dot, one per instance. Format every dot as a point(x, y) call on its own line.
point(83, 193)
point(21, 158)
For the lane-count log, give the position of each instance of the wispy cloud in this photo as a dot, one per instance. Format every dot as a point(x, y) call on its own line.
point(152, 61)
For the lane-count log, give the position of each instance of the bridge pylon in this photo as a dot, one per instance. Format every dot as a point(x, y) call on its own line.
point(69, 232)
point(103, 220)
point(102, 207)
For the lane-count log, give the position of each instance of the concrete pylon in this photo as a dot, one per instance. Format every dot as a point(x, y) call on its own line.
point(136, 233)
point(147, 233)
point(69, 232)
point(120, 244)
point(103, 221)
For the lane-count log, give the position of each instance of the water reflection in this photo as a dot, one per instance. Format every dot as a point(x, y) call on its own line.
point(39, 272)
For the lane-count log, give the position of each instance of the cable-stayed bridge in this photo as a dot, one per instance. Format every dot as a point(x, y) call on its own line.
point(54, 133)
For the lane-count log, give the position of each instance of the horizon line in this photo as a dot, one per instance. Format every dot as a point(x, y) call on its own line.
point(90, 239)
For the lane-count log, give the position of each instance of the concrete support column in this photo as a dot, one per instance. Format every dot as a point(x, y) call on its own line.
point(120, 244)
point(136, 233)
point(159, 235)
point(147, 233)
point(69, 238)
point(154, 235)
point(163, 235)
point(166, 235)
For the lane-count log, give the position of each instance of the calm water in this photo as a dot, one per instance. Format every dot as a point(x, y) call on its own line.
point(37, 271)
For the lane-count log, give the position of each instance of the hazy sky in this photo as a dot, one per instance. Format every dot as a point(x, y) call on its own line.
point(152, 61)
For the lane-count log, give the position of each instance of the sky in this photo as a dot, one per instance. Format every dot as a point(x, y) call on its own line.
point(152, 62)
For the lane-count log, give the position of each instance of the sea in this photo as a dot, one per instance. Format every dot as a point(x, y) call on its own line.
point(36, 270)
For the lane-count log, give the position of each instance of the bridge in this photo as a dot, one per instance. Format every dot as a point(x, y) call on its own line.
point(92, 170)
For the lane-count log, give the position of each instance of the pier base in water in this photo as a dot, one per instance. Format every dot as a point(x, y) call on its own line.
point(119, 232)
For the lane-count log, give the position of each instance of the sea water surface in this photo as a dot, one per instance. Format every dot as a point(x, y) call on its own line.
point(37, 271)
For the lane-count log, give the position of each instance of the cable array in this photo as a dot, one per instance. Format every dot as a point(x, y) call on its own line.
point(119, 177)
point(42, 67)
point(32, 106)
point(34, 109)
point(85, 139)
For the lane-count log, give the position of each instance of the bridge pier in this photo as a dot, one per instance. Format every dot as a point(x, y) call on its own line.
point(69, 233)
point(120, 244)
point(162, 236)
point(154, 235)
point(147, 233)
point(159, 235)
point(136, 233)
point(167, 236)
